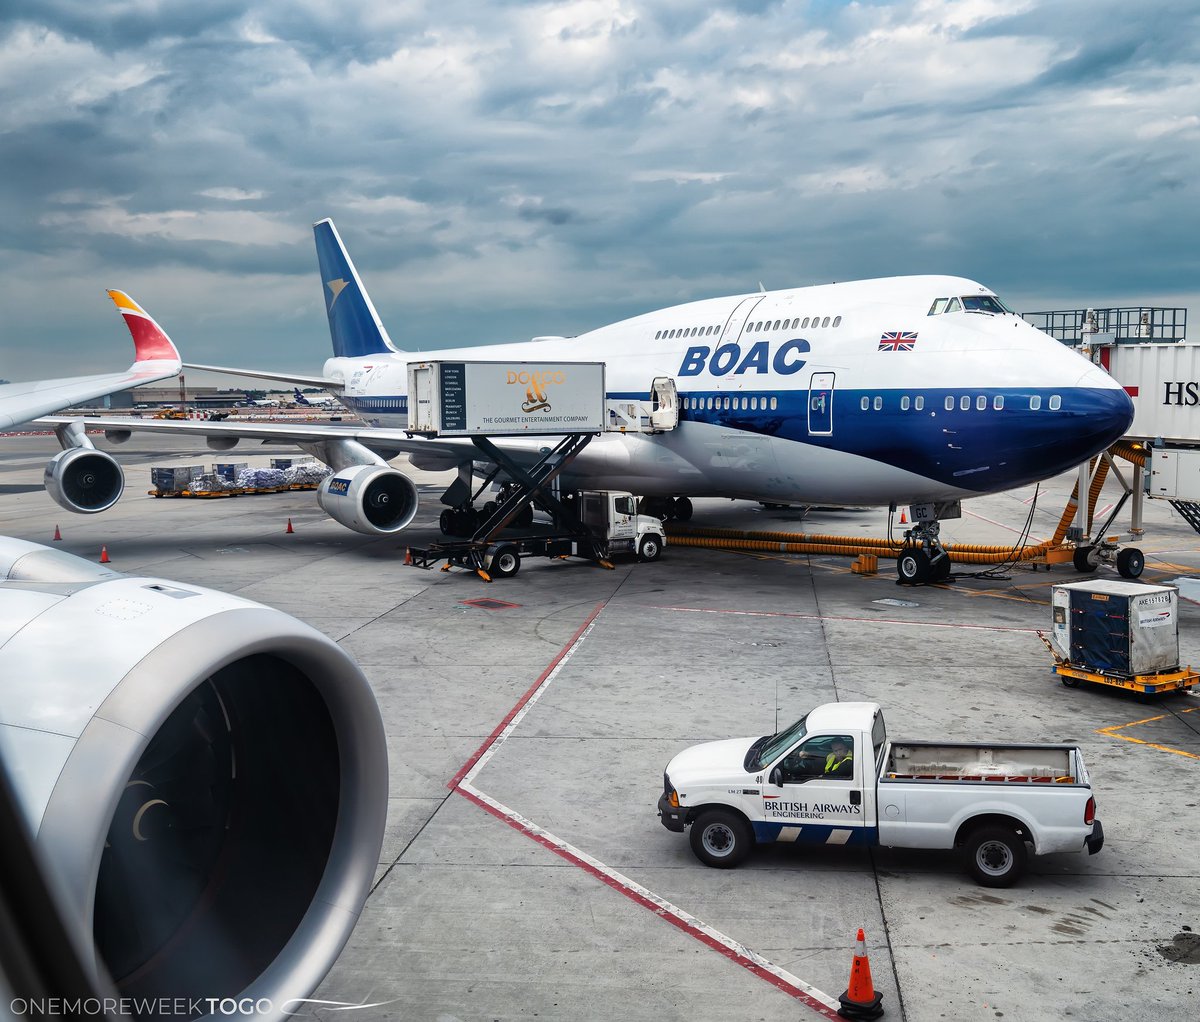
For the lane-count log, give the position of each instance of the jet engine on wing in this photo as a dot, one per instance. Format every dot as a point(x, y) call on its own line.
point(206, 776)
point(372, 499)
point(84, 480)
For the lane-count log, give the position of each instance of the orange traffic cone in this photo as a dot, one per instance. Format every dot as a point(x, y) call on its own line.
point(408, 555)
point(860, 1000)
point(57, 534)
point(104, 555)
point(903, 518)
point(289, 530)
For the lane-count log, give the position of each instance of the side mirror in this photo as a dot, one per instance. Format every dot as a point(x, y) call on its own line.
point(777, 777)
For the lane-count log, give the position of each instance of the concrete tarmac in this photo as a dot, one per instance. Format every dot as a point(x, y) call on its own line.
point(541, 884)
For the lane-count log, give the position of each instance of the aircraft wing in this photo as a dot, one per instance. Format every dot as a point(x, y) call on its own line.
point(433, 454)
point(155, 359)
point(333, 386)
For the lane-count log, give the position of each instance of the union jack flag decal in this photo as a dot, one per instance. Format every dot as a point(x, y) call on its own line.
point(898, 340)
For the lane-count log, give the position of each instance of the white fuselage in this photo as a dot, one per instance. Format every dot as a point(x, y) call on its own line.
point(856, 393)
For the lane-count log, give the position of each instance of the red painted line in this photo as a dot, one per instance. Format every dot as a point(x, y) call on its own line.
point(686, 927)
point(466, 767)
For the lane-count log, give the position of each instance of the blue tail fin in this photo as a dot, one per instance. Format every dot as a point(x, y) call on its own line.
point(354, 324)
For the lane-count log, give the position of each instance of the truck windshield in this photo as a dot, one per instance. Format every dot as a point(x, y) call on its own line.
point(767, 751)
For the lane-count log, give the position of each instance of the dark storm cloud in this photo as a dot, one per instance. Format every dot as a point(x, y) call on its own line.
point(121, 25)
point(541, 168)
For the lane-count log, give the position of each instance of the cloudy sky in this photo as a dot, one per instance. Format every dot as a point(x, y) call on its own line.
point(504, 169)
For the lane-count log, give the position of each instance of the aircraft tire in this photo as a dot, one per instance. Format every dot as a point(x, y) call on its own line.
point(1131, 562)
point(1085, 559)
point(682, 511)
point(446, 522)
point(913, 567)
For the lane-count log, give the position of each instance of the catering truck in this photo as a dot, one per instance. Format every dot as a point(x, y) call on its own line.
point(834, 778)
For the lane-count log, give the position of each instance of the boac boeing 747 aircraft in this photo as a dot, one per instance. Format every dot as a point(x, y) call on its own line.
point(901, 390)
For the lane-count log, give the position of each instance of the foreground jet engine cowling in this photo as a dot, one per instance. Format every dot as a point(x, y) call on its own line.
point(207, 776)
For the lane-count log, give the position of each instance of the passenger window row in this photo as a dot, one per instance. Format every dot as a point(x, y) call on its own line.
point(759, 326)
point(731, 403)
point(793, 324)
point(964, 403)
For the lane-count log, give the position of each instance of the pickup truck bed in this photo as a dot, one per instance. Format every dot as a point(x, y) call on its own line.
point(925, 761)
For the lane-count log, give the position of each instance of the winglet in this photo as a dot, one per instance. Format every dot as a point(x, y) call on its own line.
point(150, 341)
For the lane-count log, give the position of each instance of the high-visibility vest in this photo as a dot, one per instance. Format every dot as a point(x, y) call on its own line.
point(832, 762)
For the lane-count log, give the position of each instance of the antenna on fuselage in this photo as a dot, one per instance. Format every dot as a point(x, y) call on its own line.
point(761, 288)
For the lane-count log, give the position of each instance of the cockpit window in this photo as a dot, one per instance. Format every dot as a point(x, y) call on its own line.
point(938, 306)
point(984, 303)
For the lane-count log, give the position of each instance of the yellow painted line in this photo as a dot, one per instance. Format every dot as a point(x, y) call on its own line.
point(1111, 732)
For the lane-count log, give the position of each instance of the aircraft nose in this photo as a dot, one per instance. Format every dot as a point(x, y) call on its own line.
point(1105, 416)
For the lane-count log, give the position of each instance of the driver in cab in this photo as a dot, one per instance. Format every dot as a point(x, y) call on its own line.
point(839, 761)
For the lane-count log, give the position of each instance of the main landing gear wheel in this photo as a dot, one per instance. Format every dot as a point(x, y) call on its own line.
point(1130, 562)
point(721, 838)
point(681, 509)
point(913, 567)
point(995, 856)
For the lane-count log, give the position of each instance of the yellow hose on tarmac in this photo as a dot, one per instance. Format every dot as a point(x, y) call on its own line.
point(853, 546)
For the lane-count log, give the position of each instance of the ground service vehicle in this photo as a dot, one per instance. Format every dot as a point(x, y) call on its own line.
point(598, 525)
point(834, 778)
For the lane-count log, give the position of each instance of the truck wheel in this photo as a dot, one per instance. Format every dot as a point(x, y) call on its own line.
point(995, 856)
point(1085, 559)
point(720, 838)
point(1130, 562)
point(649, 549)
point(913, 567)
point(506, 562)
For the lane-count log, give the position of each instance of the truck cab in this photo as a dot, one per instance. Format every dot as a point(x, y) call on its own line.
point(612, 517)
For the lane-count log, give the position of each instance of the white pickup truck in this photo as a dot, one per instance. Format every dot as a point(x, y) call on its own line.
point(834, 778)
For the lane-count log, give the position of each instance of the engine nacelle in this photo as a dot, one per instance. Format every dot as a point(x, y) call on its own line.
point(206, 776)
point(372, 499)
point(84, 480)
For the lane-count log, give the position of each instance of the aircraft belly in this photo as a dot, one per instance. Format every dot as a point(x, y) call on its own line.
point(702, 459)
point(810, 474)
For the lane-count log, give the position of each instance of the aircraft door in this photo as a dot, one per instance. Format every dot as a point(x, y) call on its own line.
point(820, 404)
point(665, 413)
point(737, 320)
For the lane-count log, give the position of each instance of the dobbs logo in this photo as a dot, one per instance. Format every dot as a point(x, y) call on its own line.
point(535, 384)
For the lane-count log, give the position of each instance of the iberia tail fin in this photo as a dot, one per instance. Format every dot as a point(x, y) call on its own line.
point(354, 324)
